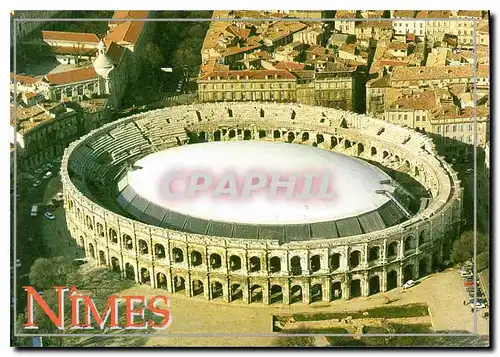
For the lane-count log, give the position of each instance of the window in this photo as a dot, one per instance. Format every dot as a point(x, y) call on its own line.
point(406, 116)
point(423, 117)
point(438, 129)
point(417, 118)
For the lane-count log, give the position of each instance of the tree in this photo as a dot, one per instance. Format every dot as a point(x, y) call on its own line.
point(482, 261)
point(463, 247)
point(152, 57)
point(47, 273)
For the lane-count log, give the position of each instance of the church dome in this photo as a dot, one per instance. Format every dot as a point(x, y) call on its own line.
point(103, 64)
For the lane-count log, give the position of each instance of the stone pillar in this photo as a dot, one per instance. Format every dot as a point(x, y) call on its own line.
point(206, 289)
point(306, 292)
point(226, 292)
point(400, 275)
point(188, 285)
point(327, 284)
point(246, 292)
point(286, 293)
point(383, 280)
point(266, 293)
point(346, 287)
point(365, 284)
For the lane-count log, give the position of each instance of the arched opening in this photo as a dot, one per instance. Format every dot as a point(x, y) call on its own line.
point(296, 294)
point(256, 294)
point(254, 264)
point(347, 144)
point(275, 265)
point(196, 258)
point(319, 138)
point(422, 268)
point(305, 136)
point(88, 220)
point(336, 292)
point(113, 236)
point(236, 292)
point(129, 271)
point(179, 283)
point(178, 255)
point(217, 290)
point(143, 247)
point(234, 263)
point(435, 261)
point(374, 285)
point(197, 287)
point(335, 261)
point(354, 259)
point(333, 142)
point(262, 134)
point(232, 133)
point(423, 237)
point(161, 281)
point(316, 293)
point(247, 134)
point(385, 154)
point(392, 280)
point(91, 251)
point(276, 294)
point(295, 265)
point(407, 165)
point(276, 134)
point(159, 251)
point(82, 242)
point(417, 171)
point(392, 251)
point(360, 149)
point(128, 242)
point(408, 273)
point(202, 136)
point(215, 261)
point(291, 137)
point(355, 288)
point(409, 244)
point(145, 278)
point(374, 254)
point(100, 229)
point(115, 264)
point(315, 263)
point(217, 135)
point(397, 159)
point(78, 214)
point(102, 258)
point(373, 151)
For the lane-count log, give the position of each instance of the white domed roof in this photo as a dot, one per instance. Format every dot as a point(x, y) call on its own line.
point(354, 182)
point(103, 64)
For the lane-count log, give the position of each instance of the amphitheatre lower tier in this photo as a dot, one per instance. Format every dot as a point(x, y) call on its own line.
point(405, 235)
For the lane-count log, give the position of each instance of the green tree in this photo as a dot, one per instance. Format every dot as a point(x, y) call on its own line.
point(47, 273)
point(482, 261)
point(152, 57)
point(463, 247)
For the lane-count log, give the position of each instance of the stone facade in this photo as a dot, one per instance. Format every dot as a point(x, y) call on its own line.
point(264, 270)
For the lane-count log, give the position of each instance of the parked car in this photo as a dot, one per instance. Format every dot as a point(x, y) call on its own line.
point(50, 216)
point(38, 171)
point(408, 284)
point(37, 183)
point(34, 211)
point(47, 175)
point(59, 196)
point(479, 305)
point(57, 160)
point(468, 283)
point(469, 171)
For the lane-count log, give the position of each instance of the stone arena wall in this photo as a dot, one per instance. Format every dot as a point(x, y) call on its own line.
point(262, 271)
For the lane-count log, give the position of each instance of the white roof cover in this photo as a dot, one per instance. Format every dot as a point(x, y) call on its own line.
point(354, 182)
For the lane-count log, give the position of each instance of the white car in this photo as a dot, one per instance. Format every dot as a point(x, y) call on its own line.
point(50, 216)
point(469, 171)
point(479, 305)
point(408, 284)
point(37, 183)
point(59, 196)
point(38, 171)
point(47, 175)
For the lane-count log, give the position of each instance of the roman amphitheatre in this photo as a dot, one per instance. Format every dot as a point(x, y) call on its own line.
point(397, 203)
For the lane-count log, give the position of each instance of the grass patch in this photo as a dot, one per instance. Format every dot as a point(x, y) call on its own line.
point(412, 310)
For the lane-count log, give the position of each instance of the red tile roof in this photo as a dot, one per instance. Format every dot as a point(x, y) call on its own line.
point(76, 75)
point(292, 66)
point(128, 31)
point(23, 79)
point(120, 15)
point(70, 36)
